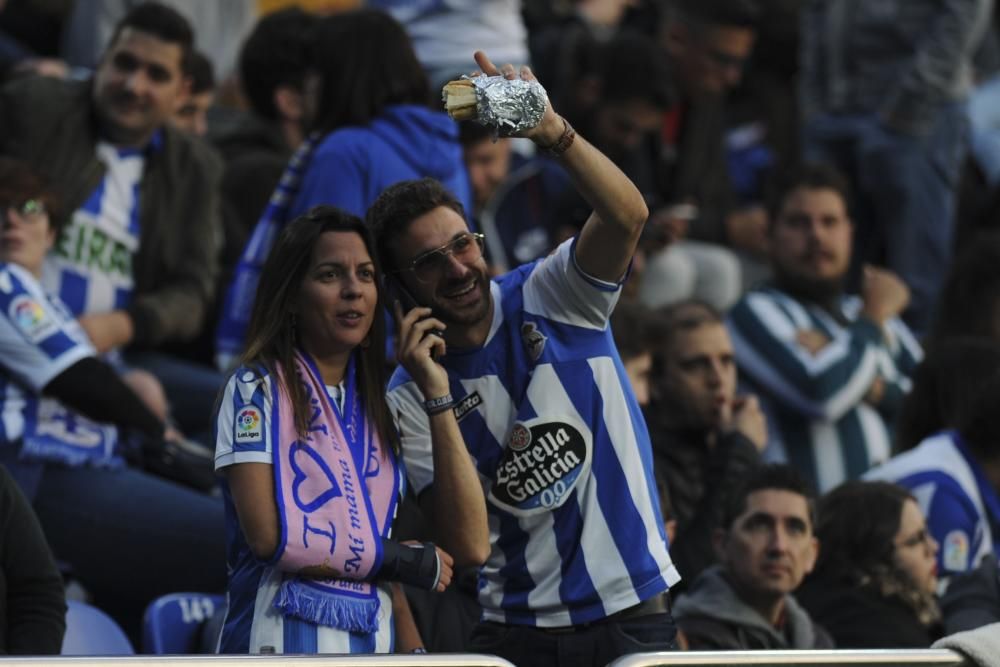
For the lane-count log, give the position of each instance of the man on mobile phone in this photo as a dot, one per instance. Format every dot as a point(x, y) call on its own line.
point(528, 382)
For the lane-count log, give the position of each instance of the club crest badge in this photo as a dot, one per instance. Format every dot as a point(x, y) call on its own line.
point(534, 340)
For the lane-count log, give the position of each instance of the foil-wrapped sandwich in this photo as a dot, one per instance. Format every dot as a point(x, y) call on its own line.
point(507, 105)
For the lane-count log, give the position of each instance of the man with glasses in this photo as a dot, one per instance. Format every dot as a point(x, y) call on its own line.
point(529, 383)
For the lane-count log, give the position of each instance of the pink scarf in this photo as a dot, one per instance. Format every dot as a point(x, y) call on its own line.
point(336, 490)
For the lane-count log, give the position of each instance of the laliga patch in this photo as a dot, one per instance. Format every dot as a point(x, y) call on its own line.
point(249, 426)
point(534, 340)
point(467, 405)
point(30, 318)
point(544, 460)
point(956, 551)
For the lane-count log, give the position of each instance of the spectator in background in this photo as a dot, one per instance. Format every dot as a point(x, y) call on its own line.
point(766, 546)
point(706, 438)
point(969, 304)
point(831, 369)
point(882, 94)
point(192, 114)
point(875, 581)
point(945, 386)
point(445, 32)
point(516, 198)
point(118, 166)
point(707, 43)
point(32, 600)
point(70, 425)
point(635, 339)
point(568, 47)
point(956, 476)
point(256, 146)
point(367, 106)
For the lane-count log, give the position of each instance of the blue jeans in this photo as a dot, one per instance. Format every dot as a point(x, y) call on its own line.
point(596, 644)
point(904, 191)
point(129, 537)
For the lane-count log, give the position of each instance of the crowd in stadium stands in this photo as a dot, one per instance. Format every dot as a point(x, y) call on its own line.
point(707, 358)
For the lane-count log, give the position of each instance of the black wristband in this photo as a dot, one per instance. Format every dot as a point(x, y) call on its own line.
point(439, 404)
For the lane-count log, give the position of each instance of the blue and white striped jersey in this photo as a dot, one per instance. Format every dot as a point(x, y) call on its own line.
point(562, 451)
point(819, 418)
point(244, 429)
point(961, 506)
point(39, 339)
point(90, 268)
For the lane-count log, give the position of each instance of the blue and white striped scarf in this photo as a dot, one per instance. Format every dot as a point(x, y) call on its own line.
point(240, 296)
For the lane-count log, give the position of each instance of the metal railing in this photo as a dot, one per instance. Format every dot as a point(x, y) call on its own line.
point(873, 658)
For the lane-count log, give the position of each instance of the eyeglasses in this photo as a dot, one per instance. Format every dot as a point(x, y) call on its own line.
point(429, 266)
point(30, 209)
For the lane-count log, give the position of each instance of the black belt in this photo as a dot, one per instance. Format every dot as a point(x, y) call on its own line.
point(658, 604)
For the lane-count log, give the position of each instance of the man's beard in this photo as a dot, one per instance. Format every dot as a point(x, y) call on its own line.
point(466, 317)
point(821, 291)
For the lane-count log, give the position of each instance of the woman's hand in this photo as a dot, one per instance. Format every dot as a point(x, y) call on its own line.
point(418, 343)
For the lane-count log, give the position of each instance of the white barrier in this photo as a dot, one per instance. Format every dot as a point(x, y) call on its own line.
point(873, 658)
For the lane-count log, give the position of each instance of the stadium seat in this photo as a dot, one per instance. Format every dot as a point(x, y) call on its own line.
point(89, 631)
point(172, 624)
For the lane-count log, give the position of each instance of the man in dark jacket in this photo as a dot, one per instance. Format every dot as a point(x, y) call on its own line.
point(706, 439)
point(137, 261)
point(766, 547)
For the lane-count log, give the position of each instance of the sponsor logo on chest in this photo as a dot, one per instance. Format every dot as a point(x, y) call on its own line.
point(544, 460)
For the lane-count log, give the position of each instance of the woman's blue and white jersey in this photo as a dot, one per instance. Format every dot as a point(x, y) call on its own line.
point(562, 451)
point(244, 429)
point(39, 339)
point(961, 506)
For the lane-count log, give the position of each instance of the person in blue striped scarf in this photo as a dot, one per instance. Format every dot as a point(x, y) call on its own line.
point(831, 369)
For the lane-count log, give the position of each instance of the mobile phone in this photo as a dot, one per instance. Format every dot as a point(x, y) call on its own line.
point(396, 291)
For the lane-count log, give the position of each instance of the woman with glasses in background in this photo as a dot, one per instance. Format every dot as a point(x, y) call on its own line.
point(82, 444)
point(875, 583)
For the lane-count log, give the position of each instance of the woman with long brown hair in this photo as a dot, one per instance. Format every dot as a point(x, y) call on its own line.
point(310, 455)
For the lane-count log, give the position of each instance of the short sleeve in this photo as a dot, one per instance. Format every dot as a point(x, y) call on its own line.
point(405, 403)
point(39, 339)
point(243, 424)
point(559, 290)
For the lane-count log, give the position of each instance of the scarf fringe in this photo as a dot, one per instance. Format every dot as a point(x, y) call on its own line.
point(322, 608)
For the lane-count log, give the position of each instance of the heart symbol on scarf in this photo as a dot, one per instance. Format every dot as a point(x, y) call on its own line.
point(311, 468)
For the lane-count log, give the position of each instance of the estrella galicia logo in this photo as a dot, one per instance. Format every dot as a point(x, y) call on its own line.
point(534, 340)
point(544, 460)
point(467, 405)
point(248, 425)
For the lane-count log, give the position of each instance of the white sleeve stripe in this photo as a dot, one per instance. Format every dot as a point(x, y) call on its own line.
point(232, 458)
point(558, 291)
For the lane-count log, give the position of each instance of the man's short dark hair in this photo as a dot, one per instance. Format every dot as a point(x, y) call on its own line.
point(202, 73)
point(277, 53)
point(401, 204)
point(773, 477)
point(812, 176)
point(631, 327)
point(471, 133)
point(163, 22)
